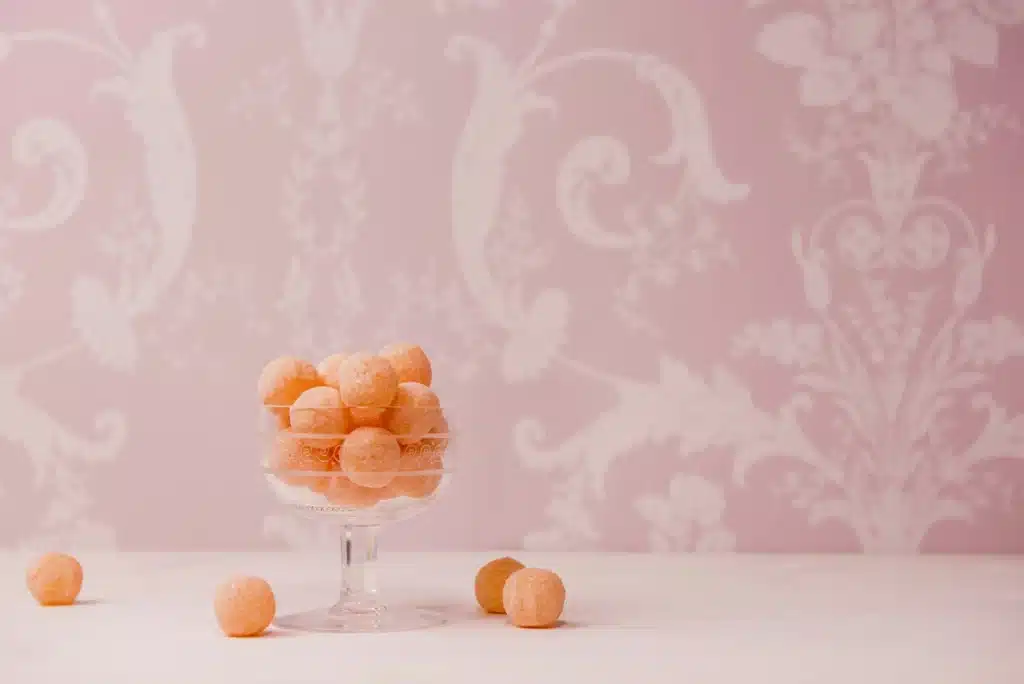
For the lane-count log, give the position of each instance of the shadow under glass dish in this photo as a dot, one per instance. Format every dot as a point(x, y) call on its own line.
point(303, 470)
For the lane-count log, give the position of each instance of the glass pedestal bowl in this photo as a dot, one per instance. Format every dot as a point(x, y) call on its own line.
point(307, 470)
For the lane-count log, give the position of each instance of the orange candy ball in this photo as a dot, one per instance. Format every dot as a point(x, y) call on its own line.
point(367, 385)
point(533, 597)
point(341, 491)
point(328, 368)
point(55, 579)
point(415, 412)
point(370, 457)
point(490, 582)
point(319, 410)
point(282, 381)
point(244, 606)
point(410, 363)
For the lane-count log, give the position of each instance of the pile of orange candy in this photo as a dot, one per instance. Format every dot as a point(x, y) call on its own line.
point(370, 423)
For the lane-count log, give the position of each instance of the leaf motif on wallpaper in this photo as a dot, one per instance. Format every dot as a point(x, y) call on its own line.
point(970, 38)
point(102, 319)
point(493, 127)
point(678, 407)
point(925, 104)
point(506, 96)
point(154, 112)
point(538, 337)
point(688, 518)
point(795, 39)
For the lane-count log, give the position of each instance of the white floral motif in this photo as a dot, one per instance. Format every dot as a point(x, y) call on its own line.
point(885, 71)
point(894, 368)
point(327, 157)
point(689, 518)
point(891, 280)
point(536, 324)
point(103, 319)
point(896, 55)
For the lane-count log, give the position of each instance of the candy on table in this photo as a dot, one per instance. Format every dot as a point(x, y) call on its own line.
point(244, 606)
point(367, 384)
point(319, 410)
point(370, 457)
point(55, 579)
point(415, 411)
point(490, 582)
point(533, 597)
point(282, 381)
point(418, 458)
point(409, 361)
point(291, 454)
point(328, 368)
point(341, 491)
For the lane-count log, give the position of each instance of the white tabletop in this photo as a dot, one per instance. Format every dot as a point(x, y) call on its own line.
point(641, 619)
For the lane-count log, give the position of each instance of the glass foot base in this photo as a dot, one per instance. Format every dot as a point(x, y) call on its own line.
point(391, 619)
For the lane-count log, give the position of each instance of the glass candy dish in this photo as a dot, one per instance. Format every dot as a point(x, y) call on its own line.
point(307, 470)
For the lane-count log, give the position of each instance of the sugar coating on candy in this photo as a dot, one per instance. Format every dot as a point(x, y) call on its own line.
point(533, 597)
point(365, 380)
point(416, 411)
point(490, 583)
point(319, 410)
point(328, 368)
point(409, 361)
point(418, 458)
point(55, 579)
point(370, 456)
point(341, 491)
point(244, 606)
point(290, 454)
point(366, 417)
point(282, 381)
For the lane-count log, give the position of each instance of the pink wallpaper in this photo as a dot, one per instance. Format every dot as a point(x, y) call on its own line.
point(694, 275)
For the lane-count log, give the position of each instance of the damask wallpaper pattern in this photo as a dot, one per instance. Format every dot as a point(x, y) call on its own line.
point(695, 276)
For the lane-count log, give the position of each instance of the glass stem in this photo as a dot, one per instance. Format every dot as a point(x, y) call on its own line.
point(358, 583)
